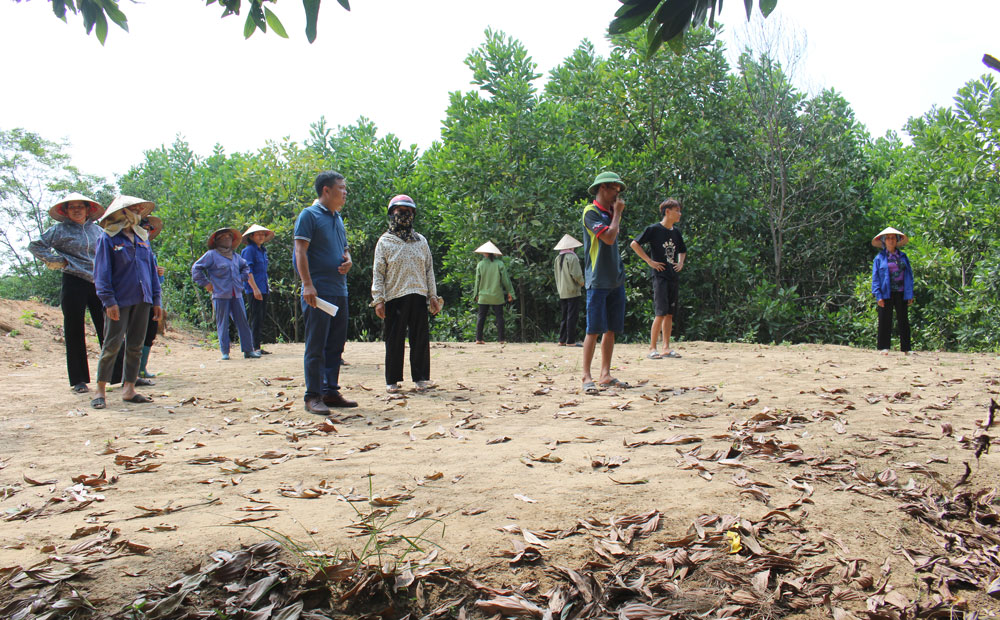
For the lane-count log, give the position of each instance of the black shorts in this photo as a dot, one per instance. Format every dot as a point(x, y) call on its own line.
point(665, 294)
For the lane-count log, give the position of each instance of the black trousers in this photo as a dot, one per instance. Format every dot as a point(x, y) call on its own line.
point(570, 317)
point(484, 309)
point(898, 304)
point(402, 315)
point(77, 297)
point(151, 328)
point(255, 314)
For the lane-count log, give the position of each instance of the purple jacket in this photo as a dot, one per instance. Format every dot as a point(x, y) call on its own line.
point(226, 275)
point(125, 272)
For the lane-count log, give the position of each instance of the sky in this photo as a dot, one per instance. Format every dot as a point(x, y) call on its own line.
point(181, 70)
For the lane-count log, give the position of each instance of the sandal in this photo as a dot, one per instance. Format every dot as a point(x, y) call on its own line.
point(590, 388)
point(144, 382)
point(670, 354)
point(80, 388)
point(138, 399)
point(615, 383)
point(98, 403)
point(653, 355)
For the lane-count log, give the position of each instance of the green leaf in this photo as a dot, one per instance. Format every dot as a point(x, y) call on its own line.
point(102, 26)
point(766, 6)
point(275, 23)
point(112, 10)
point(749, 5)
point(345, 4)
point(312, 15)
point(59, 8)
point(621, 25)
point(249, 26)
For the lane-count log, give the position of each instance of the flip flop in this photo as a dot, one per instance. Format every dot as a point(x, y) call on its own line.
point(615, 383)
point(653, 355)
point(144, 382)
point(671, 354)
point(138, 399)
point(590, 388)
point(98, 403)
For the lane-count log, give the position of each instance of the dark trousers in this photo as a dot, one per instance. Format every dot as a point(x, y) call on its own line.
point(129, 330)
point(151, 329)
point(255, 312)
point(232, 308)
point(484, 309)
point(325, 338)
point(570, 317)
point(77, 297)
point(897, 303)
point(402, 315)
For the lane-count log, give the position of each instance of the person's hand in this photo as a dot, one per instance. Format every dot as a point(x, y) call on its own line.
point(619, 205)
point(436, 304)
point(656, 265)
point(113, 313)
point(56, 265)
point(210, 288)
point(157, 313)
point(309, 294)
point(380, 310)
point(160, 271)
point(910, 301)
point(257, 294)
point(510, 297)
point(881, 303)
point(678, 267)
point(346, 265)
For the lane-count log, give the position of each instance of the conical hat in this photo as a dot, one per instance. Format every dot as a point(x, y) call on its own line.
point(237, 237)
point(257, 228)
point(877, 239)
point(567, 243)
point(58, 210)
point(123, 202)
point(156, 224)
point(488, 248)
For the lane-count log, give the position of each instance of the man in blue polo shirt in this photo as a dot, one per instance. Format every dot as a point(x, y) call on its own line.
point(322, 261)
point(604, 275)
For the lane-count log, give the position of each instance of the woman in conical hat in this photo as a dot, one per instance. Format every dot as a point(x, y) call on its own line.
point(69, 246)
point(569, 284)
point(492, 284)
point(152, 225)
point(892, 286)
point(256, 257)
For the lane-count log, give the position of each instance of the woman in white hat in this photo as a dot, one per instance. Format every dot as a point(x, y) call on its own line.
point(892, 286)
point(128, 285)
point(492, 284)
point(69, 246)
point(256, 257)
point(222, 272)
point(569, 283)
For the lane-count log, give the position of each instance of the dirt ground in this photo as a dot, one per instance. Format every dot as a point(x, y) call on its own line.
point(507, 438)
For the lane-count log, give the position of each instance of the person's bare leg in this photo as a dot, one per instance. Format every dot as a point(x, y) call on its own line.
point(654, 333)
point(589, 344)
point(668, 325)
point(100, 391)
point(607, 348)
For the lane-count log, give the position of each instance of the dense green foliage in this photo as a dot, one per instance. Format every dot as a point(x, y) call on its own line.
point(782, 192)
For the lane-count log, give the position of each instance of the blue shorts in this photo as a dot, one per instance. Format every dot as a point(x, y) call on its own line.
point(606, 310)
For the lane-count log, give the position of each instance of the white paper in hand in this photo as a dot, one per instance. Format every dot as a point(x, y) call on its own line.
point(326, 306)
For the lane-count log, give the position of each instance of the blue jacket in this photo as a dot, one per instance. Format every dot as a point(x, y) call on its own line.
point(226, 275)
point(881, 287)
point(256, 256)
point(125, 271)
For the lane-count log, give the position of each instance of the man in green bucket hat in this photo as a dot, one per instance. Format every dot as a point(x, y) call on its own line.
point(604, 274)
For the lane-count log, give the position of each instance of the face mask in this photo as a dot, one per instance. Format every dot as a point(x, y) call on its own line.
point(401, 225)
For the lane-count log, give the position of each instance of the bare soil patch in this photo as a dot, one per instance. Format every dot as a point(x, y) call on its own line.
point(847, 444)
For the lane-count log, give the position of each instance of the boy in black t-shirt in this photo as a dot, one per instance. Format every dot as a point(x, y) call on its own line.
point(666, 257)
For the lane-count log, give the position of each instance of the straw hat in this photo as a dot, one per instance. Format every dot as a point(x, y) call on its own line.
point(488, 248)
point(123, 202)
point(877, 239)
point(237, 237)
point(58, 210)
point(155, 223)
point(605, 177)
point(257, 228)
point(567, 243)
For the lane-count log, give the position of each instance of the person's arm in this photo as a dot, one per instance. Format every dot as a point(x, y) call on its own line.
point(876, 289)
point(475, 289)
point(610, 234)
point(908, 281)
point(42, 249)
point(505, 279)
point(302, 266)
point(379, 267)
point(433, 301)
point(102, 277)
point(199, 272)
point(680, 261)
point(253, 286)
point(656, 265)
point(575, 271)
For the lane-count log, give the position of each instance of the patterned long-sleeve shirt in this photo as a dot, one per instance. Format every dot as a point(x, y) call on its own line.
point(71, 242)
point(402, 268)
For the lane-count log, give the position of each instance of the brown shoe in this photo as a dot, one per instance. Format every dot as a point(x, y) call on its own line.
point(336, 400)
point(314, 404)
